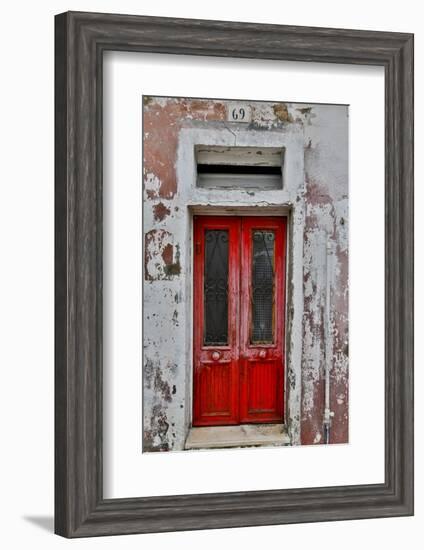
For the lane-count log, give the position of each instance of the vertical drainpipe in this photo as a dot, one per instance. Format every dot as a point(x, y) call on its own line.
point(328, 342)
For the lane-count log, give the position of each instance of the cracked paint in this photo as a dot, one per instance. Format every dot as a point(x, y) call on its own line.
point(161, 257)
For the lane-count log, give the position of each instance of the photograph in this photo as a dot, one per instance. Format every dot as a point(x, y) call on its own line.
point(246, 273)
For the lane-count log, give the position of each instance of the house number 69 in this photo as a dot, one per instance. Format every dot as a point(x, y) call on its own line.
point(238, 114)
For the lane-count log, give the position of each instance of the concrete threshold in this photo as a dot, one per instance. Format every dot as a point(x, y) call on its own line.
point(244, 435)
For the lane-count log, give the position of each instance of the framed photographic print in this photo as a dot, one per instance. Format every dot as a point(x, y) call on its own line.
point(234, 274)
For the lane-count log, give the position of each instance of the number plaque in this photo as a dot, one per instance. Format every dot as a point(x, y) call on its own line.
point(239, 112)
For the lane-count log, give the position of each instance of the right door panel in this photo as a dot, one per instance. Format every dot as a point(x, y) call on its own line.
point(262, 319)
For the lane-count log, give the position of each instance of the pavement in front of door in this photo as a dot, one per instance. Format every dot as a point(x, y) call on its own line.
point(244, 435)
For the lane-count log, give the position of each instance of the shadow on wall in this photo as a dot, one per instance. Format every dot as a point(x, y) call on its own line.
point(46, 523)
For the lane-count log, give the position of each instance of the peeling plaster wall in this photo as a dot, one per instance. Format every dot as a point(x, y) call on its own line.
point(315, 196)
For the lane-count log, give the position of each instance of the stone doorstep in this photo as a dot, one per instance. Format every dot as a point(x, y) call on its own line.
point(244, 435)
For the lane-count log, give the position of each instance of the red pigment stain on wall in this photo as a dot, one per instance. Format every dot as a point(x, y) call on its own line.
point(339, 404)
point(168, 254)
point(158, 250)
point(316, 194)
point(160, 211)
point(161, 124)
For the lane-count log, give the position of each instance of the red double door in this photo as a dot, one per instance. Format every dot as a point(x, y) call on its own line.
point(239, 297)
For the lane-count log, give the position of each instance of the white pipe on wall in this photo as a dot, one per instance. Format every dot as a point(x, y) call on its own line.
point(328, 341)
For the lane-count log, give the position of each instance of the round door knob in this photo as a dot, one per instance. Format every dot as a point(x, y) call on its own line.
point(216, 355)
point(262, 354)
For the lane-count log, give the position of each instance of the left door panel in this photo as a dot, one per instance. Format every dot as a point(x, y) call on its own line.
point(216, 334)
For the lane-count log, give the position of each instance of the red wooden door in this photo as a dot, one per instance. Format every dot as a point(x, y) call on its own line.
point(262, 319)
point(216, 308)
point(239, 297)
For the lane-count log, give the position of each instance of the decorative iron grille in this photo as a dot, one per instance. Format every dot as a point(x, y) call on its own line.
point(262, 292)
point(216, 288)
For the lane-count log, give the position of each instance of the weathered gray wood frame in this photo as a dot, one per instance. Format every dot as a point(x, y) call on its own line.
point(81, 39)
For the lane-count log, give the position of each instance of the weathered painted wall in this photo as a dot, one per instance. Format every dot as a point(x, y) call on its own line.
point(326, 218)
point(315, 197)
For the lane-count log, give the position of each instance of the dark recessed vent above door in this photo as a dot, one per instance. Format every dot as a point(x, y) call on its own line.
point(239, 167)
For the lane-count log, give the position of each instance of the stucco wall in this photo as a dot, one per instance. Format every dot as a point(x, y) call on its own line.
point(326, 218)
point(314, 196)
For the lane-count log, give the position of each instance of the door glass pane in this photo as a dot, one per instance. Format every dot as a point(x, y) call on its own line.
point(216, 288)
point(262, 292)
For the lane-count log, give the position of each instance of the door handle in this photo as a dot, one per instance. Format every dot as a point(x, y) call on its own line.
point(216, 355)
